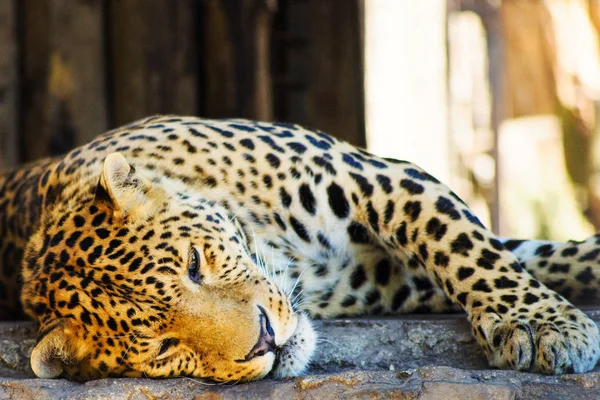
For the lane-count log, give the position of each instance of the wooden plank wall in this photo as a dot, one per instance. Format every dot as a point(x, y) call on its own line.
point(8, 84)
point(319, 68)
point(154, 58)
point(63, 81)
point(71, 69)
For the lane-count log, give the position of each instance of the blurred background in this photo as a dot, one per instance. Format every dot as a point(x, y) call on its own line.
point(498, 98)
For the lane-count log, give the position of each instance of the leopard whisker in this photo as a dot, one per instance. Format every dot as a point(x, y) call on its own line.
point(297, 281)
point(305, 301)
point(197, 380)
point(284, 278)
point(135, 337)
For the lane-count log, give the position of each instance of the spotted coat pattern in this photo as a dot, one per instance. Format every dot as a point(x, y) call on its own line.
point(181, 246)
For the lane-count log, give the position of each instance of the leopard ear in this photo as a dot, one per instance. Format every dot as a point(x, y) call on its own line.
point(51, 351)
point(120, 185)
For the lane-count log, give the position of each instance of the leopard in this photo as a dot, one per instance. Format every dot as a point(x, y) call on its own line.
point(178, 246)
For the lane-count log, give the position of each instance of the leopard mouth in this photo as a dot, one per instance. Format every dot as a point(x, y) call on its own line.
point(266, 339)
point(293, 358)
point(277, 361)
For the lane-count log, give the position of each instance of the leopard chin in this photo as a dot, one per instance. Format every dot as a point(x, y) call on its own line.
point(295, 355)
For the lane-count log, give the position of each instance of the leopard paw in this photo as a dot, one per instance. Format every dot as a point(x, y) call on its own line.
point(564, 341)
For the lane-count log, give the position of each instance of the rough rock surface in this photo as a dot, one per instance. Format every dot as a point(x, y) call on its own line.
point(426, 357)
point(424, 383)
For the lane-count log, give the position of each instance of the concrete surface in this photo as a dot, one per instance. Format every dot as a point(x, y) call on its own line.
point(426, 357)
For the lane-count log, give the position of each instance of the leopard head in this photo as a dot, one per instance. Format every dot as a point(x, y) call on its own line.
point(140, 278)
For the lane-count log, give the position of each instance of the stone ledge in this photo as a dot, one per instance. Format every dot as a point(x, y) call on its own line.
point(432, 356)
point(423, 383)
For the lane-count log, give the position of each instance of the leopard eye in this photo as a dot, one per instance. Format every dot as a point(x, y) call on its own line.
point(194, 266)
point(165, 344)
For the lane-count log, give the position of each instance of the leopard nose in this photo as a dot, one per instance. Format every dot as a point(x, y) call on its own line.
point(266, 339)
